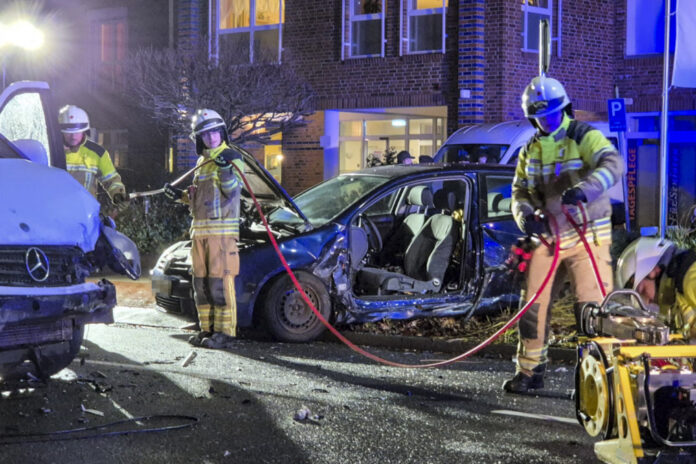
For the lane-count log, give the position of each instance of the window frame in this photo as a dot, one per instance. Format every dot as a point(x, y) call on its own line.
point(631, 48)
point(353, 18)
point(411, 12)
point(251, 29)
point(548, 11)
point(96, 20)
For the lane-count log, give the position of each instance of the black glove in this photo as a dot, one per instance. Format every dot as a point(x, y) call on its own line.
point(172, 192)
point(119, 198)
point(573, 196)
point(535, 224)
point(226, 157)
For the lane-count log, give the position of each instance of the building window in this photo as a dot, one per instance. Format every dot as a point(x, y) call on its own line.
point(109, 32)
point(363, 28)
point(645, 27)
point(253, 28)
point(533, 11)
point(116, 143)
point(422, 26)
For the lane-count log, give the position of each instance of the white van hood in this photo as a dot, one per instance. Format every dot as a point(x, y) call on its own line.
point(50, 209)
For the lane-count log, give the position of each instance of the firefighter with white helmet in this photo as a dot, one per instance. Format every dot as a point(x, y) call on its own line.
point(88, 162)
point(214, 200)
point(664, 276)
point(567, 162)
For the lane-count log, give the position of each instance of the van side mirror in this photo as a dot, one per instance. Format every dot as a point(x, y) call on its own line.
point(33, 150)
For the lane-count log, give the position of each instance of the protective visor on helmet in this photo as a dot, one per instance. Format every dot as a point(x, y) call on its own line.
point(543, 108)
point(208, 124)
point(74, 128)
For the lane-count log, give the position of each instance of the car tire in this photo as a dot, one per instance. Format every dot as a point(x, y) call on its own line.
point(51, 363)
point(287, 316)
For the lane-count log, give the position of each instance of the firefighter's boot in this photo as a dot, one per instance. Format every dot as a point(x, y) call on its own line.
point(522, 383)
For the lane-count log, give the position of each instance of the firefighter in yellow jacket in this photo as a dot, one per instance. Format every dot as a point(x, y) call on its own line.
point(88, 162)
point(566, 162)
point(665, 277)
point(214, 200)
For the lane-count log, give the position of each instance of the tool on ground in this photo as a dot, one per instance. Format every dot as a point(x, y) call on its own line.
point(173, 184)
point(635, 383)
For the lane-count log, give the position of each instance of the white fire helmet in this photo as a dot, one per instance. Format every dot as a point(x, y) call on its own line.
point(543, 96)
point(204, 120)
point(639, 258)
point(73, 120)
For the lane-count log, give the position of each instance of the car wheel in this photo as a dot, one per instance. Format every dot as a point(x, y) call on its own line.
point(287, 316)
point(51, 363)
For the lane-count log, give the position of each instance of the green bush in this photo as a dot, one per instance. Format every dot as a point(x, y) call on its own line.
point(154, 223)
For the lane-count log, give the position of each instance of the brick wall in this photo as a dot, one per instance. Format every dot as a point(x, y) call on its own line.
point(471, 61)
point(303, 165)
point(586, 66)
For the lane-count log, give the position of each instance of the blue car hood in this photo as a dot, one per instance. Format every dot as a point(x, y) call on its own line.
point(42, 205)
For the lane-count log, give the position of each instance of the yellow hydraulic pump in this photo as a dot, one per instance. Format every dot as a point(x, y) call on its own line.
point(635, 385)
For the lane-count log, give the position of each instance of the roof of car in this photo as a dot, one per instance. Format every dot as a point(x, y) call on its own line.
point(398, 170)
point(494, 133)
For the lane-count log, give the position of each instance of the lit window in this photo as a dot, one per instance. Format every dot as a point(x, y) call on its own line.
point(363, 28)
point(645, 27)
point(115, 141)
point(424, 30)
point(253, 28)
point(110, 41)
point(533, 11)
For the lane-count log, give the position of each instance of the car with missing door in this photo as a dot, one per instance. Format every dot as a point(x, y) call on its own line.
point(400, 241)
point(51, 239)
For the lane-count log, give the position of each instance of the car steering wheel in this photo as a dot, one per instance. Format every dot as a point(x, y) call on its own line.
point(374, 238)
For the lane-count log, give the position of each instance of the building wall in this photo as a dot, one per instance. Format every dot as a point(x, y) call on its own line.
point(303, 165)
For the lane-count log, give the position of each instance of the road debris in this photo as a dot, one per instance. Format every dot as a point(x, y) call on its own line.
point(91, 411)
point(189, 359)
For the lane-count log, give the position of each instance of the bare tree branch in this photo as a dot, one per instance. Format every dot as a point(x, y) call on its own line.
point(256, 100)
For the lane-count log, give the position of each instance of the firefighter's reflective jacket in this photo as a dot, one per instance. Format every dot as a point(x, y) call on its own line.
point(677, 293)
point(90, 165)
point(214, 197)
point(575, 155)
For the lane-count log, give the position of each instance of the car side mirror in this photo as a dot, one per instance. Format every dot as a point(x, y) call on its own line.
point(33, 150)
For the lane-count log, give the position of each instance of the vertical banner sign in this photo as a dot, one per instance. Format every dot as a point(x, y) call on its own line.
point(684, 71)
point(632, 181)
point(673, 190)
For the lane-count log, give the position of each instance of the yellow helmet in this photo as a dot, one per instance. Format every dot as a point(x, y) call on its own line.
point(73, 119)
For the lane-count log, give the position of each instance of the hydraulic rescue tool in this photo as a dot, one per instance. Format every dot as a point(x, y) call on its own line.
point(635, 383)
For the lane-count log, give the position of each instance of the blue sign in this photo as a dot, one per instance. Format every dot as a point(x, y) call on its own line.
point(617, 114)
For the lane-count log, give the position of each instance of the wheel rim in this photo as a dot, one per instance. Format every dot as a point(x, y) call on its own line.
point(294, 313)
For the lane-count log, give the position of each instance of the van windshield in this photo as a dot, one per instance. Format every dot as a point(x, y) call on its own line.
point(471, 153)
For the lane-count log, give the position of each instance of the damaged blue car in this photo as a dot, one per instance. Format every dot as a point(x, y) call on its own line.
point(51, 239)
point(385, 242)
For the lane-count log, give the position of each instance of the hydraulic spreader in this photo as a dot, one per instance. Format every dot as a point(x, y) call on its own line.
point(635, 385)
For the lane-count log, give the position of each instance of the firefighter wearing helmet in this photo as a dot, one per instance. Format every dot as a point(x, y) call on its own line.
point(214, 201)
point(566, 163)
point(88, 162)
point(665, 277)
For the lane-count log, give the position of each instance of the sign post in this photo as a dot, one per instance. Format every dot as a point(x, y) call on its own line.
point(616, 108)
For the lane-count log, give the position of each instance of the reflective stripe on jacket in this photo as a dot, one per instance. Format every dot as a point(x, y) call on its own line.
point(575, 155)
point(215, 197)
point(677, 293)
point(91, 164)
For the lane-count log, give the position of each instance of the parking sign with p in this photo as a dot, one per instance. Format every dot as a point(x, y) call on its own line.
point(617, 114)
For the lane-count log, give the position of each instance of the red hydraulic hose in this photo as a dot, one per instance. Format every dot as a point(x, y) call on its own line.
point(374, 357)
point(581, 234)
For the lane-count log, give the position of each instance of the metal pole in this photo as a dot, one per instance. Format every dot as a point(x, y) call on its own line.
point(623, 149)
point(664, 141)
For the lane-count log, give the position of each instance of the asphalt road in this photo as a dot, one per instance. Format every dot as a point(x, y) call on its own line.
point(248, 399)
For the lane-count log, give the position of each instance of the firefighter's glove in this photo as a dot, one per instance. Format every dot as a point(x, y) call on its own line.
point(172, 192)
point(520, 255)
point(535, 224)
point(573, 196)
point(120, 201)
point(225, 158)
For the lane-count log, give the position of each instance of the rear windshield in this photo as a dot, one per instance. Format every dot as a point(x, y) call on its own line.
point(471, 153)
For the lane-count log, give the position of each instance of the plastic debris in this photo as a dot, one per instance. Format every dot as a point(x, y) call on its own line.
point(302, 414)
point(227, 453)
point(91, 411)
point(561, 369)
point(189, 359)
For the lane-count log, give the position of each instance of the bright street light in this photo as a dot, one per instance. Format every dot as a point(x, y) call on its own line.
point(22, 34)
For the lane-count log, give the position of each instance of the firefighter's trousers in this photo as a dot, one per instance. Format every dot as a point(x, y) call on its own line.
point(574, 263)
point(215, 265)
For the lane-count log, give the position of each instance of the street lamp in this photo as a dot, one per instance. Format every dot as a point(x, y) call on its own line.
point(22, 34)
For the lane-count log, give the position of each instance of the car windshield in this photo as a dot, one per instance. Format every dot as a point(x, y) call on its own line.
point(327, 200)
point(472, 153)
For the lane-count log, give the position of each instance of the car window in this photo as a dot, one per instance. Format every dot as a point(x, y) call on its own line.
point(23, 118)
point(497, 195)
point(327, 200)
point(473, 153)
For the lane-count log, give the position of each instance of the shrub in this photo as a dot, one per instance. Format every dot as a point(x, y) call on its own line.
point(154, 222)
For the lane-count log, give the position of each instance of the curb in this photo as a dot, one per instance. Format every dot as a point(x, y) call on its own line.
point(555, 354)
